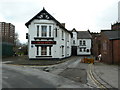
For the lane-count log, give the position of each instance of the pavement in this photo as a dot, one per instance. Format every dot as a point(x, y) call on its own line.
point(24, 60)
point(71, 68)
point(108, 73)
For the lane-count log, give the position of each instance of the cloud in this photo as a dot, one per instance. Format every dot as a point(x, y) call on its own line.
point(79, 14)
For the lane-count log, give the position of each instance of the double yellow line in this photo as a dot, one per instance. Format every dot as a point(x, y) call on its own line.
point(94, 80)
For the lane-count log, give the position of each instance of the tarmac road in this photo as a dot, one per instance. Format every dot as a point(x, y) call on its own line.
point(26, 77)
point(13, 79)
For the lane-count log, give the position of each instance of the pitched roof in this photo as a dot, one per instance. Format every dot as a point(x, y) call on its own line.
point(83, 35)
point(49, 17)
point(112, 34)
point(74, 30)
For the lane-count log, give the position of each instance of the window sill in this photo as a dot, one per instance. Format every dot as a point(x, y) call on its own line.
point(43, 56)
point(43, 38)
point(82, 45)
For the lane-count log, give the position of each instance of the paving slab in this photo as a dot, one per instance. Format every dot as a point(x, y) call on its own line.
point(108, 73)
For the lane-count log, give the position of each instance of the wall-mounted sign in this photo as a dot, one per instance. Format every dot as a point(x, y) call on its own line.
point(43, 42)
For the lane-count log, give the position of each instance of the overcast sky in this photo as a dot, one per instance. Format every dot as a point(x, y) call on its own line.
point(80, 14)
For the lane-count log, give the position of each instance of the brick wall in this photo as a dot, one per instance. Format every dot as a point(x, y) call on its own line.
point(96, 45)
point(116, 26)
point(106, 49)
point(116, 51)
point(110, 50)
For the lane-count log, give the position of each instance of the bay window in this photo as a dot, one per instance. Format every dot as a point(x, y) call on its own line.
point(37, 30)
point(50, 31)
point(43, 50)
point(44, 31)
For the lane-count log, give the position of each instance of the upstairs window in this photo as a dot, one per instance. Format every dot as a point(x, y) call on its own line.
point(44, 31)
point(84, 43)
point(37, 30)
point(80, 43)
point(55, 32)
point(62, 35)
point(50, 31)
point(73, 41)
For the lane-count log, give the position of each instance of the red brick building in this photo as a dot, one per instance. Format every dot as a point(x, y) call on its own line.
point(116, 26)
point(96, 44)
point(7, 33)
point(110, 46)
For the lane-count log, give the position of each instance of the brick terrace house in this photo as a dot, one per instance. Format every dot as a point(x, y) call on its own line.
point(110, 46)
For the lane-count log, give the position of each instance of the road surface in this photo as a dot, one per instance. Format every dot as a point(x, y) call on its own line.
point(26, 77)
point(12, 78)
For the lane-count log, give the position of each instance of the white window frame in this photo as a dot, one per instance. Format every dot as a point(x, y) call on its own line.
point(43, 52)
point(43, 33)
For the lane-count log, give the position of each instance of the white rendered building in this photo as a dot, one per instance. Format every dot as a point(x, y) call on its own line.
point(81, 42)
point(47, 38)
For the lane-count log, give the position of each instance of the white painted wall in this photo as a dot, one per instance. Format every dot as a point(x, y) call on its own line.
point(88, 46)
point(74, 39)
point(56, 49)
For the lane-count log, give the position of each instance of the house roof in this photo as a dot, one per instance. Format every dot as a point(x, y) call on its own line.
point(74, 30)
point(49, 17)
point(83, 35)
point(112, 34)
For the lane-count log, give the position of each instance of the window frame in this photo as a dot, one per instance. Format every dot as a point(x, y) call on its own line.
point(50, 50)
point(80, 49)
point(37, 30)
point(84, 43)
point(80, 42)
point(50, 28)
point(62, 35)
point(43, 50)
point(43, 31)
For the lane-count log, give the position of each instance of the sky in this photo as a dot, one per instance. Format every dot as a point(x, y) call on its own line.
point(94, 15)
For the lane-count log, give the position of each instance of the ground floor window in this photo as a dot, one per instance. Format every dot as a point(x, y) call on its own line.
point(84, 49)
point(80, 49)
point(62, 50)
point(49, 50)
point(37, 50)
point(88, 50)
point(43, 50)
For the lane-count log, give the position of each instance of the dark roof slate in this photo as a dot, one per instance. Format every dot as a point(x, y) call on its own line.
point(83, 35)
point(112, 34)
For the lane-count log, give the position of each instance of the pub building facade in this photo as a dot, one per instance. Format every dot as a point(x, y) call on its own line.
point(47, 37)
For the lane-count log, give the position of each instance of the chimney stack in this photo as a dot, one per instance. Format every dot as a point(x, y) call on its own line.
point(63, 24)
